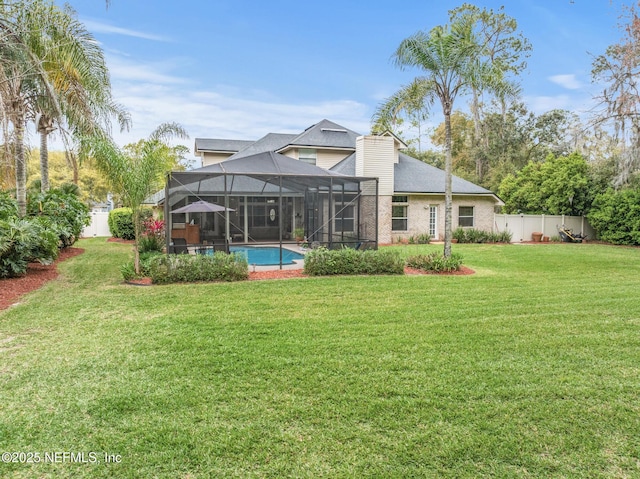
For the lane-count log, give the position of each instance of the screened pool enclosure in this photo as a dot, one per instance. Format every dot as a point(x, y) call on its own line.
point(270, 198)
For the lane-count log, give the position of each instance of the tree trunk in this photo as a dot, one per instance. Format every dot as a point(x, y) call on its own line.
point(135, 213)
point(448, 196)
point(475, 108)
point(45, 126)
point(21, 166)
point(44, 161)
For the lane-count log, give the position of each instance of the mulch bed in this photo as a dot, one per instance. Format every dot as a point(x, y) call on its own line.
point(299, 273)
point(11, 289)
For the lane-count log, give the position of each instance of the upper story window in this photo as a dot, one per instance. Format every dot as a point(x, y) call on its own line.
point(308, 155)
point(465, 216)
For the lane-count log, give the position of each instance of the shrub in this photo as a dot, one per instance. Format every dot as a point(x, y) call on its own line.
point(8, 206)
point(23, 241)
point(321, 261)
point(472, 235)
point(120, 223)
point(152, 238)
point(128, 270)
point(67, 214)
point(422, 238)
point(615, 215)
point(435, 262)
point(193, 268)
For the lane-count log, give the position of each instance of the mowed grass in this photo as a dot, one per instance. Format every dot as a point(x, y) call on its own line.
point(529, 368)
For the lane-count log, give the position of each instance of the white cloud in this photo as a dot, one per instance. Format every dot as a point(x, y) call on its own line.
point(569, 81)
point(128, 70)
point(99, 27)
point(543, 104)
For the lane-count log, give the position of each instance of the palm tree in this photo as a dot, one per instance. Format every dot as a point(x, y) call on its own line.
point(78, 71)
point(453, 64)
point(137, 172)
point(52, 72)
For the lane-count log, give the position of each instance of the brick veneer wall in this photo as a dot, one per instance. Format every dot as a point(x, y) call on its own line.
point(418, 215)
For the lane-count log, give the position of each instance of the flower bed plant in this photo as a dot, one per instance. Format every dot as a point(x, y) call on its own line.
point(472, 235)
point(435, 262)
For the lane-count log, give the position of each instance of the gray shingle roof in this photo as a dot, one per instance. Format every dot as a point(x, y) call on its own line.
point(269, 142)
point(213, 144)
point(415, 176)
point(326, 134)
point(266, 163)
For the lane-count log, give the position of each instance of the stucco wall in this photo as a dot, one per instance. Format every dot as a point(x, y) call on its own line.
point(213, 158)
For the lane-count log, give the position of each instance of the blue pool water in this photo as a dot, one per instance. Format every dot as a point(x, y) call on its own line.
point(266, 255)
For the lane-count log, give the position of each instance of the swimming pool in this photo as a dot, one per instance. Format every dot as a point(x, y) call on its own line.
point(266, 255)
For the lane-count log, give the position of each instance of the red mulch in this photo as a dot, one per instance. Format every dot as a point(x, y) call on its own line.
point(299, 273)
point(12, 289)
point(463, 271)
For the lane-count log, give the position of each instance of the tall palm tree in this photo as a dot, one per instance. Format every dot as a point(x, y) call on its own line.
point(54, 73)
point(453, 63)
point(77, 69)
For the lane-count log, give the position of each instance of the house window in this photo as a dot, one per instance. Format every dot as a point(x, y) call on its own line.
point(433, 221)
point(399, 208)
point(465, 216)
point(308, 155)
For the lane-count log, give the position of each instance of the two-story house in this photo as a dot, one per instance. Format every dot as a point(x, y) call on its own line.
point(411, 193)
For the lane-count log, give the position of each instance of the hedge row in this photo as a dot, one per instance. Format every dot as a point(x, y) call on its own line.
point(322, 261)
point(193, 268)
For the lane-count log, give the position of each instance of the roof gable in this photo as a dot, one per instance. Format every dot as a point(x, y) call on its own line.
point(325, 134)
point(269, 142)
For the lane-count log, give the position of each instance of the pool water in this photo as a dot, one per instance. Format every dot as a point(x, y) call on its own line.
point(266, 255)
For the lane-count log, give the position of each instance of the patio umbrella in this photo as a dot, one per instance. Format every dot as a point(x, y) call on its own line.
point(201, 207)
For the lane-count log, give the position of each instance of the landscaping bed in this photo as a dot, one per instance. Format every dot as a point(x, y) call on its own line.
point(11, 289)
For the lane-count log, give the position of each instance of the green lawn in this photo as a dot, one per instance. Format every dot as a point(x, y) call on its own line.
point(529, 368)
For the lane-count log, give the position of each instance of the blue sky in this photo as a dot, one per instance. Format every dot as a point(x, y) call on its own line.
point(240, 69)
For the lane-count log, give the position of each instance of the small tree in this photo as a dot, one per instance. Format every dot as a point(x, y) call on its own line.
point(557, 186)
point(138, 172)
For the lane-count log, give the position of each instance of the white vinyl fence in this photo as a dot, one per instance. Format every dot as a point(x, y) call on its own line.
point(98, 226)
point(522, 226)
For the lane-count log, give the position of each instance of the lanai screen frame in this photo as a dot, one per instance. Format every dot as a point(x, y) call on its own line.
point(282, 185)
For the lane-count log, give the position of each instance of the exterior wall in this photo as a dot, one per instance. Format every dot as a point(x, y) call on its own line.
point(324, 158)
point(375, 158)
point(385, 235)
point(213, 158)
point(329, 158)
point(418, 215)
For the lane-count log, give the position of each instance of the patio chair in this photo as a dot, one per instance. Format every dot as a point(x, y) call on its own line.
point(179, 246)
